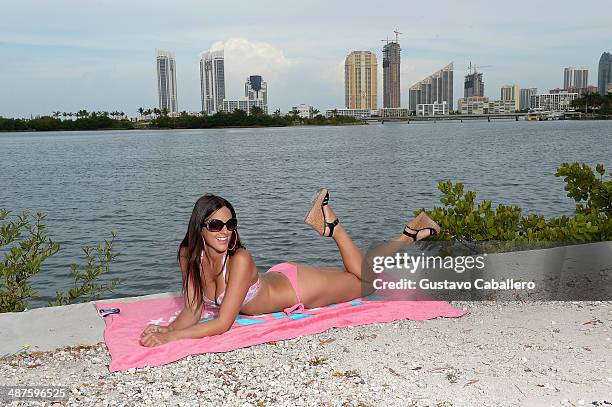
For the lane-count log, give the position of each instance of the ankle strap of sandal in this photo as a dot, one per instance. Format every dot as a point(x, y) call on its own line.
point(331, 226)
point(432, 232)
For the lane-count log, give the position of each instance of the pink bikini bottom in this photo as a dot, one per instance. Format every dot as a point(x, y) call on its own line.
point(291, 272)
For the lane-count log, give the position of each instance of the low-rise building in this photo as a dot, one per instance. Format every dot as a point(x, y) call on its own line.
point(356, 113)
point(304, 111)
point(554, 102)
point(580, 91)
point(230, 105)
point(482, 105)
point(393, 112)
point(432, 109)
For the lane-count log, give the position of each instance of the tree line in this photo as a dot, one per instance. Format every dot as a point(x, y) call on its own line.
point(160, 118)
point(594, 103)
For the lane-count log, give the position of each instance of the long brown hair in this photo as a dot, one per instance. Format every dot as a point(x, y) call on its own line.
point(203, 208)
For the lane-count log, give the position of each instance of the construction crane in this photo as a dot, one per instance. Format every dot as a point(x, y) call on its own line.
point(474, 68)
point(397, 33)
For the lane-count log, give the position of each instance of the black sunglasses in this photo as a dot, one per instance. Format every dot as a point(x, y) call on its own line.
point(215, 225)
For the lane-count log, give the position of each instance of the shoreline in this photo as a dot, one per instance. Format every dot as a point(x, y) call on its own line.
point(512, 353)
point(185, 128)
point(391, 121)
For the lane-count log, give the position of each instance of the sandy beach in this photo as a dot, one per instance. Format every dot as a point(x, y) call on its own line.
point(498, 354)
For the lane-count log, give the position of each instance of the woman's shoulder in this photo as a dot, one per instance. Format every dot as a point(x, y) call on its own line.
point(241, 258)
point(242, 254)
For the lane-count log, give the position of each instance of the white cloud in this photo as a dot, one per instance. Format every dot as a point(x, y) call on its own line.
point(244, 58)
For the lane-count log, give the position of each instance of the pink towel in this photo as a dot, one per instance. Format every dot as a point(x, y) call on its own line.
point(123, 330)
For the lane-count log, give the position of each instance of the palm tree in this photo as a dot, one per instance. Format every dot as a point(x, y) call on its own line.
point(156, 111)
point(141, 111)
point(57, 114)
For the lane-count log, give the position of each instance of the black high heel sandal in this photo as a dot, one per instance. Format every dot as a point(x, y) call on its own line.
point(315, 218)
point(328, 224)
point(421, 222)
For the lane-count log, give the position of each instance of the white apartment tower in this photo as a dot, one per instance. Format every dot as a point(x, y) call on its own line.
point(255, 88)
point(212, 81)
point(166, 81)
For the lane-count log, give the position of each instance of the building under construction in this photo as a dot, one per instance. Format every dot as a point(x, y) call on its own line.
point(473, 86)
point(391, 73)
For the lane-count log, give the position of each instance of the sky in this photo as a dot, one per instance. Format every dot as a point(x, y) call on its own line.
point(65, 55)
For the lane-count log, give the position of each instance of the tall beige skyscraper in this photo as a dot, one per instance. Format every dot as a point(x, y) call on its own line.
point(512, 92)
point(360, 86)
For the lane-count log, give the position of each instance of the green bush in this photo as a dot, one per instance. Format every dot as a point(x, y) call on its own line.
point(30, 247)
point(461, 219)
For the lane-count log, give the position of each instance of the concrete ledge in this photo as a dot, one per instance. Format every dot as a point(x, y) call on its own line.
point(48, 328)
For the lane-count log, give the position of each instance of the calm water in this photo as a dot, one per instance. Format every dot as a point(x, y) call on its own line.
point(143, 184)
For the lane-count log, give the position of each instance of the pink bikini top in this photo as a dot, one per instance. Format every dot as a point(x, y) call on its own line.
point(249, 295)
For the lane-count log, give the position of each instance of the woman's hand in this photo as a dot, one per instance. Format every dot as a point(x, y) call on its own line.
point(157, 338)
point(151, 328)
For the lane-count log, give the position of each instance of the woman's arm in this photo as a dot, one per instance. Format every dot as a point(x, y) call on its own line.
point(236, 288)
point(235, 291)
point(191, 312)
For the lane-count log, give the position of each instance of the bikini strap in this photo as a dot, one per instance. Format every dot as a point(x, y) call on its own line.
point(225, 270)
point(299, 307)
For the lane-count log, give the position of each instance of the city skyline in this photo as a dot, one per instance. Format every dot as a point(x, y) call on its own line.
point(97, 65)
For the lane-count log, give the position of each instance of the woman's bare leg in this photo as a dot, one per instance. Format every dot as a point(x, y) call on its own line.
point(352, 256)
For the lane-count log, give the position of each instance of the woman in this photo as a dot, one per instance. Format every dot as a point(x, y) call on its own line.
point(220, 274)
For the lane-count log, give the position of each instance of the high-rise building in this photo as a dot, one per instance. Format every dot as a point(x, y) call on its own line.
point(212, 81)
point(360, 80)
point(511, 92)
point(473, 85)
point(255, 88)
point(575, 78)
point(166, 81)
point(526, 95)
point(436, 88)
point(391, 74)
point(604, 74)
